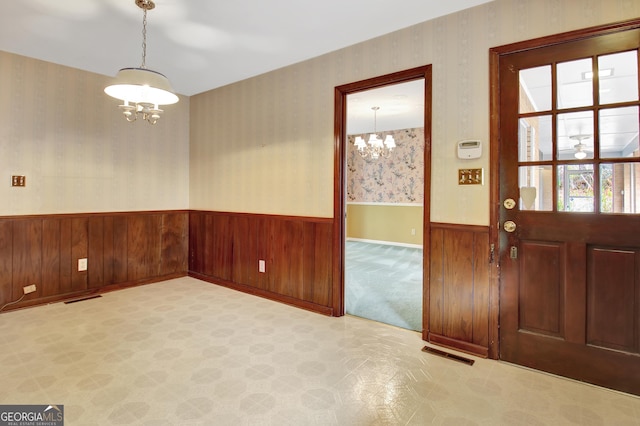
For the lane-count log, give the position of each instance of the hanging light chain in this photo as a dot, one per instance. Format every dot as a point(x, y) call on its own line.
point(144, 38)
point(144, 5)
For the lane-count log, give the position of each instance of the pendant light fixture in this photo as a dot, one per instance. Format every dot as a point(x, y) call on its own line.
point(375, 147)
point(142, 90)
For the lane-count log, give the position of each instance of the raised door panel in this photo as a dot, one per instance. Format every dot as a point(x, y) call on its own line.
point(542, 287)
point(613, 299)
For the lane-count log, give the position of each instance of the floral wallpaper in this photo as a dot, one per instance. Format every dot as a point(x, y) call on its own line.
point(398, 178)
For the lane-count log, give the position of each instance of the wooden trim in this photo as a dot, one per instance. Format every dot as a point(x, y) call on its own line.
point(459, 227)
point(340, 93)
point(560, 38)
point(266, 216)
point(91, 292)
point(90, 214)
point(276, 297)
point(458, 345)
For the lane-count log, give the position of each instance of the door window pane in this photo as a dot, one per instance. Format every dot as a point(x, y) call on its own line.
point(619, 184)
point(576, 188)
point(534, 139)
point(619, 132)
point(536, 188)
point(575, 83)
point(535, 89)
point(618, 77)
point(575, 135)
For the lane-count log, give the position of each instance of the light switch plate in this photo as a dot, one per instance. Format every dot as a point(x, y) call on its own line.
point(470, 177)
point(18, 180)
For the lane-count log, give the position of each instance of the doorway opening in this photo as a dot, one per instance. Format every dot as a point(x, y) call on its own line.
point(382, 201)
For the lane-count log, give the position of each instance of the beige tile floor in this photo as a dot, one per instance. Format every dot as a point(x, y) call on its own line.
point(185, 352)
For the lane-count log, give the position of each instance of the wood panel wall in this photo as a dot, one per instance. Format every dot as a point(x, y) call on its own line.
point(224, 248)
point(459, 287)
point(121, 249)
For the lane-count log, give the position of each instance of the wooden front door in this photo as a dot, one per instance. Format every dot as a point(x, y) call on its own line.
point(569, 205)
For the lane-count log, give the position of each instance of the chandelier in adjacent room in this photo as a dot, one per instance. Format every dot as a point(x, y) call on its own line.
point(142, 90)
point(375, 147)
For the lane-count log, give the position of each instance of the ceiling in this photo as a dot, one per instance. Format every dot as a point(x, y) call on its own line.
point(202, 44)
point(401, 107)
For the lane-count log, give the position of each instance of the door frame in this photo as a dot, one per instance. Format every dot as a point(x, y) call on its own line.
point(339, 179)
point(495, 55)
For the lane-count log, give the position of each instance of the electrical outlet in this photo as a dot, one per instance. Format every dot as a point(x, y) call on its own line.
point(29, 288)
point(413, 231)
point(261, 266)
point(82, 264)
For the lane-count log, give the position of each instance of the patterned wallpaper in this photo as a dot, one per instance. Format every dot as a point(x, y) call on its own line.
point(60, 130)
point(266, 144)
point(398, 178)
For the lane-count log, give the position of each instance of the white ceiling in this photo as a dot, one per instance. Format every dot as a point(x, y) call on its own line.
point(401, 107)
point(202, 44)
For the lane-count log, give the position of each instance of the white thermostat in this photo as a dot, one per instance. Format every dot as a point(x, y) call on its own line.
point(469, 149)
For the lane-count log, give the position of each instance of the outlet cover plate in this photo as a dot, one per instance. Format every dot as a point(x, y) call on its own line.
point(82, 264)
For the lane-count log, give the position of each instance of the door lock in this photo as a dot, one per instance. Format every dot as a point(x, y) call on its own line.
point(509, 226)
point(509, 203)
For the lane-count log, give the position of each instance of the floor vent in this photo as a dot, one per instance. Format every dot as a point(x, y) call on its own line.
point(448, 355)
point(82, 299)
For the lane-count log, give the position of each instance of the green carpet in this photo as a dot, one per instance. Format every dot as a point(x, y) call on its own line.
point(384, 283)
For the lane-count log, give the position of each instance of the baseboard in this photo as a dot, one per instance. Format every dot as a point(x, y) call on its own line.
point(386, 243)
point(291, 301)
point(91, 292)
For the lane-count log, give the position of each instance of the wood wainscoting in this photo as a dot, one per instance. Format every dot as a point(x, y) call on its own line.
point(459, 287)
point(122, 249)
point(225, 248)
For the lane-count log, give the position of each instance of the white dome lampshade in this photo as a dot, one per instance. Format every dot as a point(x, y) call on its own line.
point(142, 86)
point(142, 90)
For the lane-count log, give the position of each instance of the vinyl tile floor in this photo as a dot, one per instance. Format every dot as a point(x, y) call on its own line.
point(186, 352)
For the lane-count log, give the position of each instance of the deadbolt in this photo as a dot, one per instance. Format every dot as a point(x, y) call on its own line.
point(509, 203)
point(509, 226)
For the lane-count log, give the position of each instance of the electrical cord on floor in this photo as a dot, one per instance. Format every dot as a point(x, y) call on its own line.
point(12, 303)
